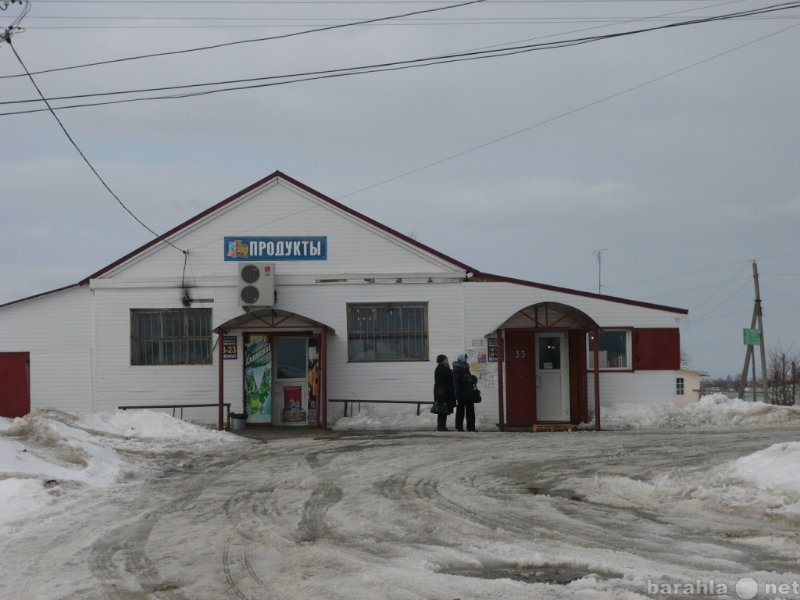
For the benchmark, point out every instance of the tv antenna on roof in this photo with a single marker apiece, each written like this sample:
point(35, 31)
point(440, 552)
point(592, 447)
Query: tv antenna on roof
point(599, 255)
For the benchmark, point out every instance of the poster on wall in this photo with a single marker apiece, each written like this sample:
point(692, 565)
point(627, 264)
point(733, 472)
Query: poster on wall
point(230, 347)
point(258, 378)
point(293, 413)
point(493, 352)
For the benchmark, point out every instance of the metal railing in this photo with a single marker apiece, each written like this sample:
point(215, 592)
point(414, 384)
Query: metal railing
point(348, 401)
point(175, 407)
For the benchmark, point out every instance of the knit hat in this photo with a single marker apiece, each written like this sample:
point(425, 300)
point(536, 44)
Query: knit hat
point(462, 357)
point(441, 358)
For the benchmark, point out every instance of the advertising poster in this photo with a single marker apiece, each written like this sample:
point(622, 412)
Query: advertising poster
point(230, 347)
point(258, 378)
point(293, 413)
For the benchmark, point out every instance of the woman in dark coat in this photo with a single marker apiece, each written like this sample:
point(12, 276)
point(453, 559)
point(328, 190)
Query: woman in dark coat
point(465, 393)
point(444, 395)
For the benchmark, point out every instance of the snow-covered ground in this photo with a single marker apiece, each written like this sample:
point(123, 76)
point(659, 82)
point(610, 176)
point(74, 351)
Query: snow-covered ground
point(701, 502)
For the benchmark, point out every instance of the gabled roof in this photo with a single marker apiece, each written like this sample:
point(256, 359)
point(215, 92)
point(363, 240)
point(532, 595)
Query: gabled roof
point(476, 275)
point(274, 176)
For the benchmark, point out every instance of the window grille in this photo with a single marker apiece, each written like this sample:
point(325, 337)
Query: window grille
point(171, 337)
point(387, 332)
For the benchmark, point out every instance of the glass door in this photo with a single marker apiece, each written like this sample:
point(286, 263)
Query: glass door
point(552, 377)
point(291, 380)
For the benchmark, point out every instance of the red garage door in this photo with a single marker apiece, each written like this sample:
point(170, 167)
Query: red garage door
point(15, 384)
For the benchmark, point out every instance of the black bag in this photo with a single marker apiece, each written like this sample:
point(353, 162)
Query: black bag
point(436, 408)
point(476, 395)
point(440, 408)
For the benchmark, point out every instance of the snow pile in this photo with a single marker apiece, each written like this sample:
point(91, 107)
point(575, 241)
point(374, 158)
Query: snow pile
point(48, 451)
point(371, 417)
point(715, 410)
point(766, 481)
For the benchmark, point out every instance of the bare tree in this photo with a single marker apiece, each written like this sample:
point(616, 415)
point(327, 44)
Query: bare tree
point(783, 377)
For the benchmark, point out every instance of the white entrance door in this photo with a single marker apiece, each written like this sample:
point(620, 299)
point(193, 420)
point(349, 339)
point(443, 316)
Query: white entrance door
point(552, 377)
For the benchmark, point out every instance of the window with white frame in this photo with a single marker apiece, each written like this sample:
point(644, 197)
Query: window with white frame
point(386, 332)
point(614, 352)
point(680, 386)
point(171, 336)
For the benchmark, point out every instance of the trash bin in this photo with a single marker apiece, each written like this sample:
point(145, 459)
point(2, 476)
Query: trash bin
point(238, 420)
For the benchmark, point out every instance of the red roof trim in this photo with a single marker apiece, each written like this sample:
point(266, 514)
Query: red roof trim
point(278, 175)
point(554, 288)
point(39, 295)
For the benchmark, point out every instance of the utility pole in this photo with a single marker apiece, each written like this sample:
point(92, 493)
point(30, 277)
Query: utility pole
point(756, 324)
point(599, 255)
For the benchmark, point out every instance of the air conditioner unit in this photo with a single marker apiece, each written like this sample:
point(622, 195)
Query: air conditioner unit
point(256, 284)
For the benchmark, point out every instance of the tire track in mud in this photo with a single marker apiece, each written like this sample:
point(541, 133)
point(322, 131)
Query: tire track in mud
point(424, 484)
point(118, 559)
point(266, 519)
point(121, 552)
point(312, 526)
point(233, 568)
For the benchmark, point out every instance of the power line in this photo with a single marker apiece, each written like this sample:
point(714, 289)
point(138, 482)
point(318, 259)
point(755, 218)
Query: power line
point(263, 39)
point(80, 152)
point(738, 15)
point(561, 115)
point(275, 80)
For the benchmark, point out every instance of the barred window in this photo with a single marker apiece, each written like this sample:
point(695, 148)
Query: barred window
point(387, 332)
point(171, 336)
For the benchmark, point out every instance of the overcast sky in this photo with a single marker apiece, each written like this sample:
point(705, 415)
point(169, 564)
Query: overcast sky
point(672, 153)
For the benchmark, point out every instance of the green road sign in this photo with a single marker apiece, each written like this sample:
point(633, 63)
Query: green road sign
point(752, 337)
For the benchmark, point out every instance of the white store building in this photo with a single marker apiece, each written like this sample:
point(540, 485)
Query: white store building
point(283, 303)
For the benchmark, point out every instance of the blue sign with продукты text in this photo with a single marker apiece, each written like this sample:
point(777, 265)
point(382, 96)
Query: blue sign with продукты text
point(276, 248)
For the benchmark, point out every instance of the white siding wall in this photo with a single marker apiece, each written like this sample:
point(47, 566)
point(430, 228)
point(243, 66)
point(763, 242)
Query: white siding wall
point(489, 304)
point(280, 210)
point(152, 281)
point(369, 381)
point(56, 329)
point(454, 324)
point(641, 387)
point(120, 383)
point(79, 334)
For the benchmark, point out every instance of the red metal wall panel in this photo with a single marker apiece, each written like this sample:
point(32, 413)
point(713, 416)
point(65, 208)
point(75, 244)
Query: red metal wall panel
point(578, 401)
point(656, 349)
point(15, 386)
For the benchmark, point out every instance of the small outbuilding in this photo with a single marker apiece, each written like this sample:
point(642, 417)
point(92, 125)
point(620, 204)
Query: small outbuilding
point(283, 304)
point(687, 385)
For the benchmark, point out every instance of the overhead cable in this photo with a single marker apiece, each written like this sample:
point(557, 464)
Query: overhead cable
point(262, 39)
point(82, 155)
point(276, 80)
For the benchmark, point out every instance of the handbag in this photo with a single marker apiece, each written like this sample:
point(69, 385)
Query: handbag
point(476, 395)
point(436, 407)
point(439, 407)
